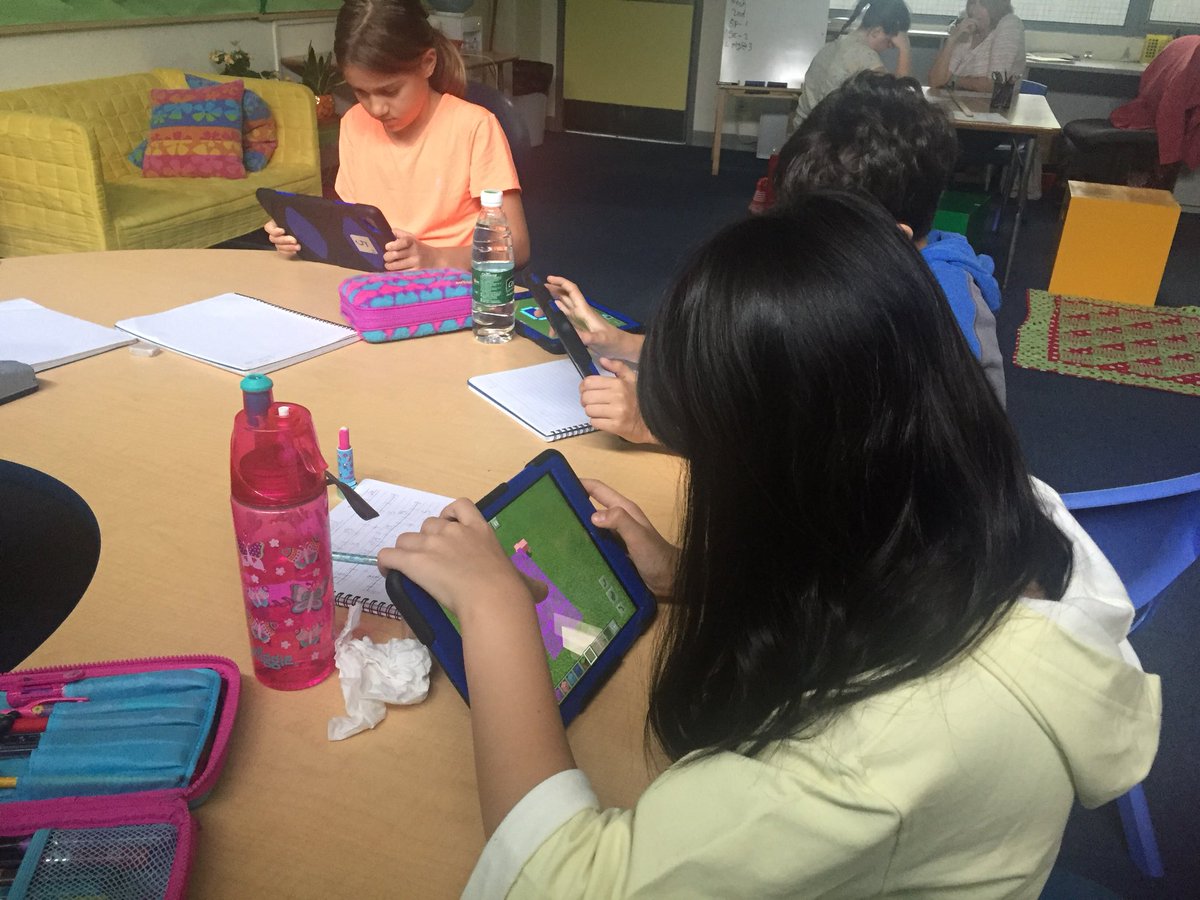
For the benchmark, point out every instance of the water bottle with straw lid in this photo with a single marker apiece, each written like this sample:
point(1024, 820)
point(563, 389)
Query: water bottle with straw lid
point(281, 522)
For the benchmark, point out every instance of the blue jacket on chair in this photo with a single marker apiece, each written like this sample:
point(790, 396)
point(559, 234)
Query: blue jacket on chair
point(974, 296)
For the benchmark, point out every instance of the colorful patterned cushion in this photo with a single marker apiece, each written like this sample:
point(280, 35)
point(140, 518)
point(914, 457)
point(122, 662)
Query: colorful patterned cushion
point(195, 133)
point(259, 138)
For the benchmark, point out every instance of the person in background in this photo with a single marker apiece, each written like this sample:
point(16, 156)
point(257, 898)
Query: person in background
point(412, 146)
point(987, 38)
point(891, 659)
point(884, 24)
point(877, 133)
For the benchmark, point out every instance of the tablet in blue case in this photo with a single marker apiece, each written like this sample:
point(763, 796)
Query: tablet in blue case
point(597, 604)
point(531, 321)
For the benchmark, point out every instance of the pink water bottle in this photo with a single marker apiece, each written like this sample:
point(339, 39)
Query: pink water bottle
point(281, 520)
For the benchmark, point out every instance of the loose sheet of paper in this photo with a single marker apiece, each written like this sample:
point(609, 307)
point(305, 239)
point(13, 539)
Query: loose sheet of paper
point(400, 509)
point(43, 338)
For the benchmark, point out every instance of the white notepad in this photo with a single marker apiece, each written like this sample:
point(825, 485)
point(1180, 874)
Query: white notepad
point(544, 398)
point(44, 338)
point(240, 334)
point(400, 509)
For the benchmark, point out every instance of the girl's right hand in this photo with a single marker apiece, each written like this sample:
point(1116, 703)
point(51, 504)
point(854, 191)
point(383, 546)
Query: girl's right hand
point(653, 555)
point(284, 242)
point(457, 559)
point(597, 333)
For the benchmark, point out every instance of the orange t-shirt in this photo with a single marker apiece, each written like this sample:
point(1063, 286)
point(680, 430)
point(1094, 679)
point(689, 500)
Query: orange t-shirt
point(432, 187)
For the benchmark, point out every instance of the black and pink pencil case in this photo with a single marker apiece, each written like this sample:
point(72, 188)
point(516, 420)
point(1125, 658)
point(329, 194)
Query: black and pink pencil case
point(100, 765)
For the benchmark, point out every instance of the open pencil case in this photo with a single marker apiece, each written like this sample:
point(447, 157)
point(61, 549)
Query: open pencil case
point(100, 769)
point(392, 306)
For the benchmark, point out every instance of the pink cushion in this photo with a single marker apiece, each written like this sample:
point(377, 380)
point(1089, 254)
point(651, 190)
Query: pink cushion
point(195, 132)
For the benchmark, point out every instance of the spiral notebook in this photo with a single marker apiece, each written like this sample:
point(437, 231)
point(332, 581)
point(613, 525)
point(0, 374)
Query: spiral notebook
point(544, 398)
point(240, 334)
point(400, 509)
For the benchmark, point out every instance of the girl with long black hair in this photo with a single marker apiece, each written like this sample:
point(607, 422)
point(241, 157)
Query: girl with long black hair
point(891, 659)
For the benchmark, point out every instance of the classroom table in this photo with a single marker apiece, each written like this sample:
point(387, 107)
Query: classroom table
point(500, 65)
point(388, 813)
point(740, 90)
point(1028, 119)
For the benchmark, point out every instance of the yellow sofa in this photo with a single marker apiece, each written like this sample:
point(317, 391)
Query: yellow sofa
point(66, 186)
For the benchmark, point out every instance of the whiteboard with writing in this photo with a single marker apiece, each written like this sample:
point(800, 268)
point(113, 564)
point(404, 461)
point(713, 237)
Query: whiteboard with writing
point(771, 40)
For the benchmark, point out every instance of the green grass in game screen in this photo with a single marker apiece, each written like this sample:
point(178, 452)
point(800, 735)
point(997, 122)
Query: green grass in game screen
point(586, 605)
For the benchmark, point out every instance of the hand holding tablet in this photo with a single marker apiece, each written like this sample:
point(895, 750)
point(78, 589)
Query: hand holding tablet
point(539, 524)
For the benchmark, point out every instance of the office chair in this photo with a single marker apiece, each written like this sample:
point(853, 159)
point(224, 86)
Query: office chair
point(1151, 534)
point(49, 547)
point(1098, 151)
point(511, 121)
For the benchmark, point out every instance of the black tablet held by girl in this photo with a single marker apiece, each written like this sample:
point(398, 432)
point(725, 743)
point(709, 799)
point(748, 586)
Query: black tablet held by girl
point(596, 605)
point(330, 231)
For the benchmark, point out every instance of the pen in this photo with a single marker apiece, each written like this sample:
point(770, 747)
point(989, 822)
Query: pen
point(345, 458)
point(358, 559)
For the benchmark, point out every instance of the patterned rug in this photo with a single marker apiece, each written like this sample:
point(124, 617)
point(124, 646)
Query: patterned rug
point(1149, 346)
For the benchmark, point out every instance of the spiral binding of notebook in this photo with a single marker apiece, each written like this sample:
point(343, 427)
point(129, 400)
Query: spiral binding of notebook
point(376, 607)
point(544, 398)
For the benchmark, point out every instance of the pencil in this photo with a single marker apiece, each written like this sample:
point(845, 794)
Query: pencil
point(358, 559)
point(8, 782)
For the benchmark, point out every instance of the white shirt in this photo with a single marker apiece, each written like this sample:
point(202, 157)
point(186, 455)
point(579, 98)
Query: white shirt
point(1003, 50)
point(832, 66)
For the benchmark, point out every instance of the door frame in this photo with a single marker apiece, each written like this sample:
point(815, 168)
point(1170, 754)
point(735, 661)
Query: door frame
point(689, 112)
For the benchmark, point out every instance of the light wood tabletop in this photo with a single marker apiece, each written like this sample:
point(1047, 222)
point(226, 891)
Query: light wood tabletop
point(1028, 114)
point(145, 441)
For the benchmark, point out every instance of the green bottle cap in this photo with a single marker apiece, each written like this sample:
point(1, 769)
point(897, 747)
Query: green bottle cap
point(256, 384)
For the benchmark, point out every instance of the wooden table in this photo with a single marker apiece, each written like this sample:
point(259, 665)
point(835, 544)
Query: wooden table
point(388, 813)
point(499, 64)
point(737, 90)
point(1028, 119)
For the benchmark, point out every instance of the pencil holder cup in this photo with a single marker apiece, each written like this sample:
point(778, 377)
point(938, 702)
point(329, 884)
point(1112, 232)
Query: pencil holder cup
point(1002, 95)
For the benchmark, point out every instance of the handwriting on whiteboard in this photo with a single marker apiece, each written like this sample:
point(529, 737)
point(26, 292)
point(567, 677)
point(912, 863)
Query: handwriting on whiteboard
point(737, 27)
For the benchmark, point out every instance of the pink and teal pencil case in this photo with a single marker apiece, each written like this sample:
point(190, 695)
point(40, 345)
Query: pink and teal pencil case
point(100, 765)
point(395, 306)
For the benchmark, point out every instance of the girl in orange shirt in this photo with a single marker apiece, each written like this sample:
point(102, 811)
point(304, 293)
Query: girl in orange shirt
point(412, 146)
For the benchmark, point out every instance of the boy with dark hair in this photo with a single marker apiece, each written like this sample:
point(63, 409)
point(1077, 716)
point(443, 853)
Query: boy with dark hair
point(879, 135)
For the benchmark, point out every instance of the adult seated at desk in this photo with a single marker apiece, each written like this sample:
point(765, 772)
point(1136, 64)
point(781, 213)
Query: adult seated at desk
point(988, 38)
point(884, 25)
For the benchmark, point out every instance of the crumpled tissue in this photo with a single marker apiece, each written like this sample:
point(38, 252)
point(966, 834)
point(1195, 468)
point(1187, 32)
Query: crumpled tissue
point(374, 675)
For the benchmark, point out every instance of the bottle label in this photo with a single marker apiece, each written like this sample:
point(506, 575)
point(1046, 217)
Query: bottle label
point(286, 584)
point(492, 288)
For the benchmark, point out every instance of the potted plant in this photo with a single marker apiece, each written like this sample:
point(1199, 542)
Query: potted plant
point(236, 62)
point(321, 75)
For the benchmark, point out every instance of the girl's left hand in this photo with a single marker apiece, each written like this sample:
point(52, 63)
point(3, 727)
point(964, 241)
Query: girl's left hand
point(405, 252)
point(457, 559)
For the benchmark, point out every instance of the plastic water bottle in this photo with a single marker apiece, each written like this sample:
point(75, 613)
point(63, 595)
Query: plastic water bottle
point(492, 262)
point(281, 521)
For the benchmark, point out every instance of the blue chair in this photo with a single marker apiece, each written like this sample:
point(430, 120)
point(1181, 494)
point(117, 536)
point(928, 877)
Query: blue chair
point(51, 544)
point(513, 123)
point(1151, 534)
